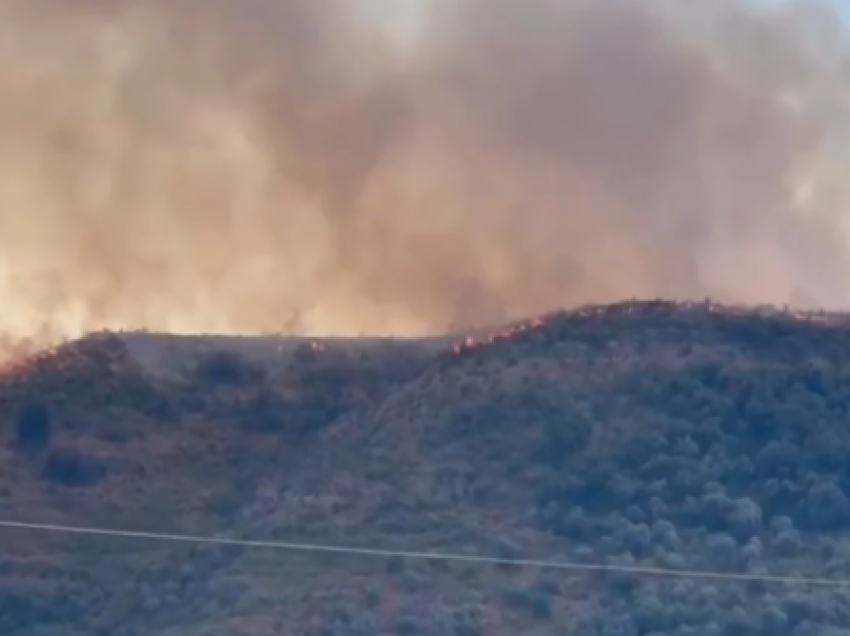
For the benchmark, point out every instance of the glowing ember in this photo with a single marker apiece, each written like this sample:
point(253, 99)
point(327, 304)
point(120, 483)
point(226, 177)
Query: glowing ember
point(470, 343)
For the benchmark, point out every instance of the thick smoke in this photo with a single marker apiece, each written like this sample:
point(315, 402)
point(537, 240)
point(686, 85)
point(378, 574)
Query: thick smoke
point(277, 165)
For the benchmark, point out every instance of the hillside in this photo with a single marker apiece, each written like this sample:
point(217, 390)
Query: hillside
point(661, 434)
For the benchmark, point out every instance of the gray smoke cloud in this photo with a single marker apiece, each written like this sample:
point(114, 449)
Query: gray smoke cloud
point(279, 165)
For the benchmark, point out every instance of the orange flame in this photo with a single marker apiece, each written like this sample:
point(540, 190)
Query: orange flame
point(469, 343)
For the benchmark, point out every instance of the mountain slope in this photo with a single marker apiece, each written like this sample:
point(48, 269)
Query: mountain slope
point(660, 434)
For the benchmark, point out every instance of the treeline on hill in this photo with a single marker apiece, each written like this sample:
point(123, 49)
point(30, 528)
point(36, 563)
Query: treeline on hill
point(644, 434)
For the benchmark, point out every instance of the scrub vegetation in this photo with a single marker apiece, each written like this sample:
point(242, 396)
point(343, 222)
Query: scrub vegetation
point(666, 435)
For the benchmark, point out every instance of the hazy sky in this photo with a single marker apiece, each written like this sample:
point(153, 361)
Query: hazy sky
point(404, 13)
point(263, 165)
point(402, 16)
point(844, 6)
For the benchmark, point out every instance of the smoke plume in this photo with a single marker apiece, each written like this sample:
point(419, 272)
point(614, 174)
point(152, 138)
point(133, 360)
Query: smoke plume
point(280, 165)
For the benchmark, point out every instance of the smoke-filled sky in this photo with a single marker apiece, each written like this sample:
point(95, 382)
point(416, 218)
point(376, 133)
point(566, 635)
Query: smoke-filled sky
point(280, 165)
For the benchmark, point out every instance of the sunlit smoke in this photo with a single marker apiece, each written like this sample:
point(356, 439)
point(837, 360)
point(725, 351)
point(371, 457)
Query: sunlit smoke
point(277, 166)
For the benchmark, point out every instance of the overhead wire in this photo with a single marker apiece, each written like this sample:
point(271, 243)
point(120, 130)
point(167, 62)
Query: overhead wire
point(621, 568)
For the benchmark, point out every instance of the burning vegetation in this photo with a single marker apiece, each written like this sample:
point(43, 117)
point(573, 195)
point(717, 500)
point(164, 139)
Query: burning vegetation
point(106, 351)
point(470, 343)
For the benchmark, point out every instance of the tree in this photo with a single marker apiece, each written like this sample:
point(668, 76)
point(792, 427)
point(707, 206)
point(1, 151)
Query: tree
point(70, 468)
point(33, 426)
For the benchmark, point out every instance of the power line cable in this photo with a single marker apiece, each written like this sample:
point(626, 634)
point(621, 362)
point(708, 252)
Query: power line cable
point(429, 556)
